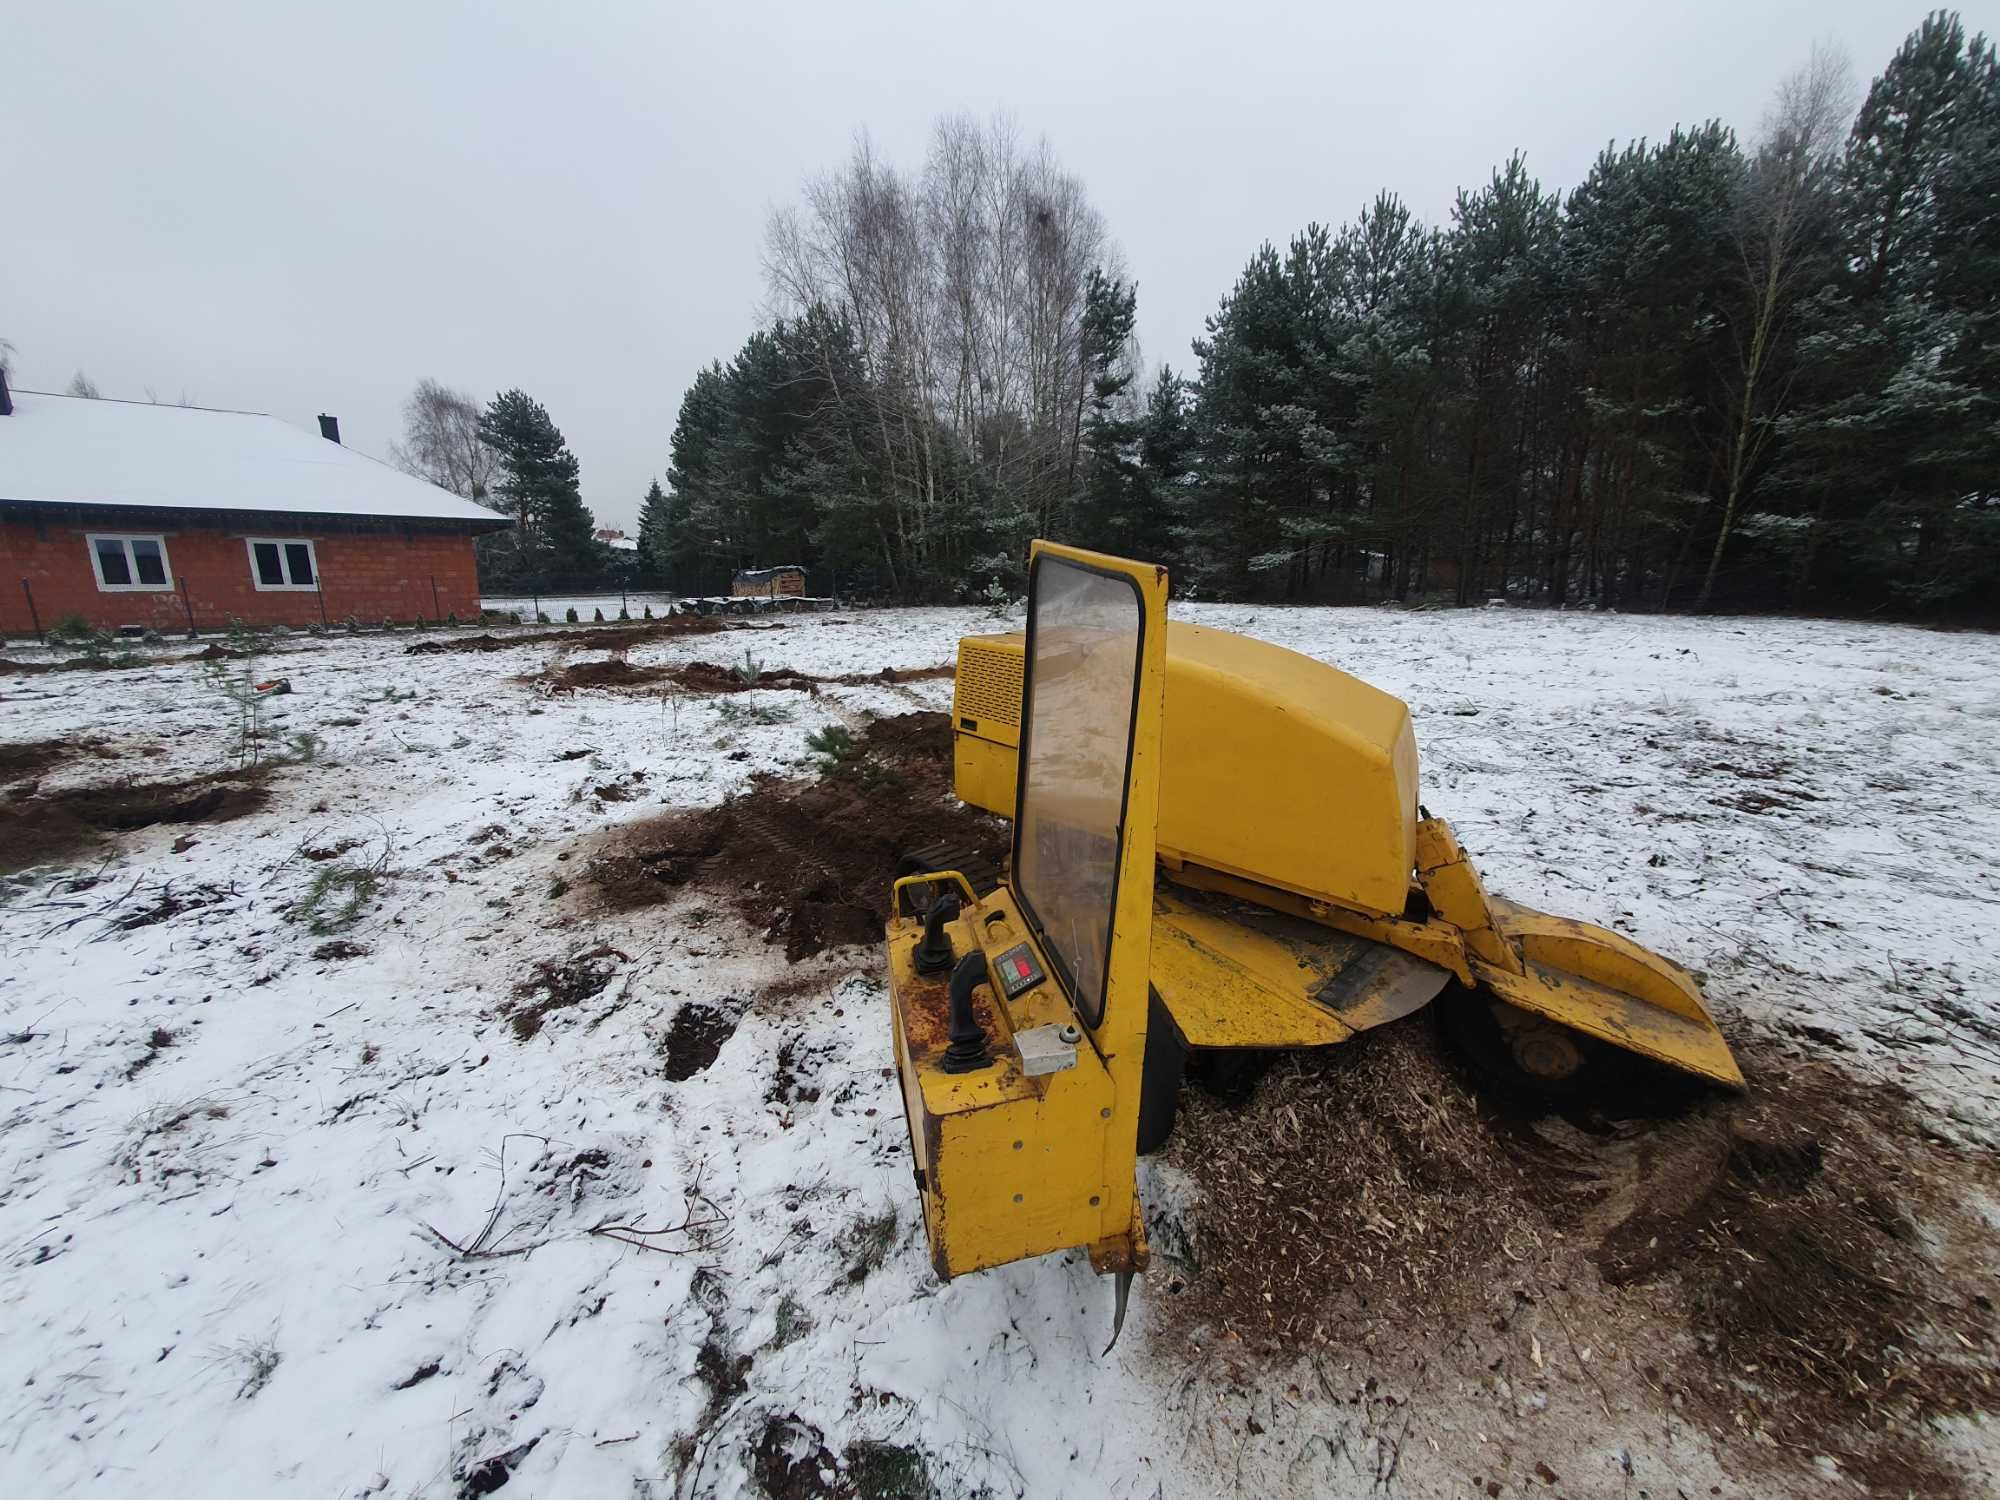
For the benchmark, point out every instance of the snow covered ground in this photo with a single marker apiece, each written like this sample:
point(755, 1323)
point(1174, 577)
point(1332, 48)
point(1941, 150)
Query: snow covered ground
point(241, 1162)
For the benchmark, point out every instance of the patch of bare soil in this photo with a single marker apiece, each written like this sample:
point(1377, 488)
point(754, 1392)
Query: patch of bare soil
point(555, 985)
point(1358, 1182)
point(711, 678)
point(123, 661)
point(890, 675)
point(809, 862)
point(1837, 1280)
point(603, 638)
point(52, 827)
point(33, 758)
point(616, 674)
point(695, 1038)
point(1823, 1289)
point(790, 1461)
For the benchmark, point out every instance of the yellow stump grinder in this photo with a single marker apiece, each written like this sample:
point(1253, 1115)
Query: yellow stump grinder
point(1217, 849)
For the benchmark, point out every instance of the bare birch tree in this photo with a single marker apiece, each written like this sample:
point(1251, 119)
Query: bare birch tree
point(441, 441)
point(964, 286)
point(1784, 203)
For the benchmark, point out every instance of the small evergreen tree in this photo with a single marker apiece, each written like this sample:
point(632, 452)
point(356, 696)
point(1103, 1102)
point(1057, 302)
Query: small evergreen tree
point(553, 529)
point(1106, 516)
point(655, 523)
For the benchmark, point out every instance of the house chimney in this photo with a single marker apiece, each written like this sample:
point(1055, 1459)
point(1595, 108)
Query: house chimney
point(6, 396)
point(329, 427)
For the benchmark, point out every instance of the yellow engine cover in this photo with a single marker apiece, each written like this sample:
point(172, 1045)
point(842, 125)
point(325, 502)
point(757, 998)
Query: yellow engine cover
point(1275, 767)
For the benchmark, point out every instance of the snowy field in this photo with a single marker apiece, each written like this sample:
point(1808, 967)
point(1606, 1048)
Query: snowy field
point(285, 1213)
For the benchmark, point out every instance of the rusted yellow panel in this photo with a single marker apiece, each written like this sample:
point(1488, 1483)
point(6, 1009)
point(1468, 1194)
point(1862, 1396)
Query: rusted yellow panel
point(1011, 1166)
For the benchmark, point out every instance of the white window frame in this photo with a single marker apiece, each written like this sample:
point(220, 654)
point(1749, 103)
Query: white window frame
point(252, 543)
point(126, 539)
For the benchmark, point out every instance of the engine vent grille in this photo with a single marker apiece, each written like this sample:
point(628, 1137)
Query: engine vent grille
point(989, 684)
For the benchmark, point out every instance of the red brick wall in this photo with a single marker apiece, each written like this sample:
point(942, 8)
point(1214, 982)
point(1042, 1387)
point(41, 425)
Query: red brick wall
point(370, 576)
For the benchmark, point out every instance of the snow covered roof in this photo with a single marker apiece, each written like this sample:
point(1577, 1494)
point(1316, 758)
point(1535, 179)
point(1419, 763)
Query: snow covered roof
point(765, 575)
point(71, 450)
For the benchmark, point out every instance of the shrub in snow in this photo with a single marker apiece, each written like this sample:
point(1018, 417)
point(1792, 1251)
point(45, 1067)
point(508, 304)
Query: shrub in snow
point(451, 618)
point(624, 613)
point(541, 618)
point(570, 614)
point(648, 612)
point(353, 625)
point(597, 615)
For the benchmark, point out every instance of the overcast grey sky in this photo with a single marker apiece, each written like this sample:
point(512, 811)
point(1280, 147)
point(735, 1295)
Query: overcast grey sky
point(299, 208)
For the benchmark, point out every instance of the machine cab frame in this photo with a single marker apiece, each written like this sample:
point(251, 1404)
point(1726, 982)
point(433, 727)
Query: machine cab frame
point(1020, 1016)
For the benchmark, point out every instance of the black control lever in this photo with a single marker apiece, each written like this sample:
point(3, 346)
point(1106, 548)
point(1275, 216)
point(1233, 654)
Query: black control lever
point(934, 953)
point(967, 1052)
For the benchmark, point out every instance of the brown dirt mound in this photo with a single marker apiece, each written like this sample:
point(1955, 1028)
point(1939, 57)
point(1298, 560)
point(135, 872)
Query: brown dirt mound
point(1806, 1276)
point(1370, 1189)
point(709, 677)
point(894, 675)
point(1359, 1182)
point(616, 673)
point(28, 758)
point(810, 862)
point(59, 826)
point(124, 661)
point(713, 677)
point(576, 638)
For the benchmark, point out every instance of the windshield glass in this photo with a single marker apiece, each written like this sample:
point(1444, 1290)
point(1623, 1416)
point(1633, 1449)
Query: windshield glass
point(1083, 643)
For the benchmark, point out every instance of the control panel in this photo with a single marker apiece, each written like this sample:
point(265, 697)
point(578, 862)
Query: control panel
point(1019, 971)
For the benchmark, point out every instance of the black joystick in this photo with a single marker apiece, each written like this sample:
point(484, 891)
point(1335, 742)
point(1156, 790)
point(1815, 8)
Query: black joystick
point(934, 953)
point(967, 1052)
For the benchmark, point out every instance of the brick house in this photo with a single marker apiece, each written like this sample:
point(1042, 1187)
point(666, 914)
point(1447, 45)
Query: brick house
point(179, 518)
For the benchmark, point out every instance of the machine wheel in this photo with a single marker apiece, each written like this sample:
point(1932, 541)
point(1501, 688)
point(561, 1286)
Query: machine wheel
point(1159, 1075)
point(1526, 1054)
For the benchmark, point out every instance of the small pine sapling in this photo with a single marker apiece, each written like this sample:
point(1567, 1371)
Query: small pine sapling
point(750, 671)
point(570, 614)
point(832, 746)
point(597, 616)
